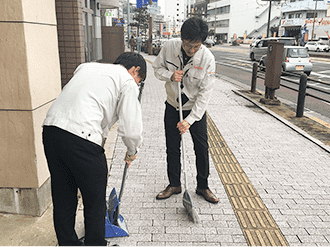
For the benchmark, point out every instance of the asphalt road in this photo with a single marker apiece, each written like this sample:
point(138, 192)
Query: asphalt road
point(234, 62)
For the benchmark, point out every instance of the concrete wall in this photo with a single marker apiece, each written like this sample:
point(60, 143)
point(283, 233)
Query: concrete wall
point(30, 80)
point(246, 16)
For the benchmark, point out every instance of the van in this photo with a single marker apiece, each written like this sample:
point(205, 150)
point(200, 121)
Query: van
point(260, 48)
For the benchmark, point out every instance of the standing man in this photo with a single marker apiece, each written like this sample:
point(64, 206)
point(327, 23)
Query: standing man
point(74, 132)
point(138, 43)
point(132, 43)
point(190, 62)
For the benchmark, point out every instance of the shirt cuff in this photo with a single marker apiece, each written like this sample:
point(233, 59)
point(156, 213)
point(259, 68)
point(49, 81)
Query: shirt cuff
point(190, 120)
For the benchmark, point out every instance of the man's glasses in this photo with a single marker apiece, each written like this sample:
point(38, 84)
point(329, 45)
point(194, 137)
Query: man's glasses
point(191, 45)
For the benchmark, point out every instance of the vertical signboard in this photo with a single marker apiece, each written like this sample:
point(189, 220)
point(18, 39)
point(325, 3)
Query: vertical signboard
point(138, 4)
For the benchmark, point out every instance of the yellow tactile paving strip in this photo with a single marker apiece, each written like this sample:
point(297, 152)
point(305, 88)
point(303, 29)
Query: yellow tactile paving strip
point(320, 121)
point(257, 224)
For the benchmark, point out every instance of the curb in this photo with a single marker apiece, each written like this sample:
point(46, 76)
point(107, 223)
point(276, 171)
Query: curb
point(286, 122)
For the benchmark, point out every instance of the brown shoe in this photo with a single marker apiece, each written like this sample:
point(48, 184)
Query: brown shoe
point(208, 195)
point(168, 192)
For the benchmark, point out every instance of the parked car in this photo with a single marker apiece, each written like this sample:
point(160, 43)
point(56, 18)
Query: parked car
point(209, 42)
point(254, 42)
point(317, 46)
point(295, 59)
point(261, 46)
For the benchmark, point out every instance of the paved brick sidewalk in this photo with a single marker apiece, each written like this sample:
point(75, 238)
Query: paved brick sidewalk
point(165, 222)
point(290, 173)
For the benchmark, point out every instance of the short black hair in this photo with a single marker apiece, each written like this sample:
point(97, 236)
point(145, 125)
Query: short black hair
point(130, 59)
point(194, 28)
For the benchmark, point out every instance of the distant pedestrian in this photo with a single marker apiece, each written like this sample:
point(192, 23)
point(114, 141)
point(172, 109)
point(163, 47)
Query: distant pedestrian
point(188, 60)
point(132, 43)
point(74, 132)
point(138, 43)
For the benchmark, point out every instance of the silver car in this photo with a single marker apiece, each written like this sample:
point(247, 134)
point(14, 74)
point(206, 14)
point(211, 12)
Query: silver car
point(295, 59)
point(261, 46)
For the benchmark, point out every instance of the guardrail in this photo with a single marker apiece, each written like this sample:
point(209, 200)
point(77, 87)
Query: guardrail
point(303, 86)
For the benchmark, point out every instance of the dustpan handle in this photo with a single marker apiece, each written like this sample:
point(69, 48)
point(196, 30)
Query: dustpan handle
point(123, 181)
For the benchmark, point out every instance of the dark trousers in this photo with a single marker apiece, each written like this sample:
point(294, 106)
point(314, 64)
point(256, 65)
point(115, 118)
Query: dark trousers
point(198, 131)
point(75, 163)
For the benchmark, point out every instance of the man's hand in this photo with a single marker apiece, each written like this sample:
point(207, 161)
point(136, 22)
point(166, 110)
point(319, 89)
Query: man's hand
point(129, 159)
point(177, 75)
point(183, 126)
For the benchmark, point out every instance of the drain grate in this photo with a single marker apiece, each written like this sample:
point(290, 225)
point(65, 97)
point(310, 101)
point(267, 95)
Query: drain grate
point(257, 224)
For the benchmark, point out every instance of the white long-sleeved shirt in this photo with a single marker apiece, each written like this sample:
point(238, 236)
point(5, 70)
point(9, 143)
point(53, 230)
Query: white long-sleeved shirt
point(94, 99)
point(198, 80)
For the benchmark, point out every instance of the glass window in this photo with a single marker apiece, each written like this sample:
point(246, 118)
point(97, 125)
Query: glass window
point(311, 15)
point(287, 41)
point(298, 15)
point(211, 12)
point(295, 52)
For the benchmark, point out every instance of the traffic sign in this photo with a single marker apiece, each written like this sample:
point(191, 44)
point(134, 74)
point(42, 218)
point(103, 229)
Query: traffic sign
point(153, 9)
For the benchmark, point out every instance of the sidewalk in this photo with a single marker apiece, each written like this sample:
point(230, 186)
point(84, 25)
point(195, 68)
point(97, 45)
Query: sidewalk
point(287, 171)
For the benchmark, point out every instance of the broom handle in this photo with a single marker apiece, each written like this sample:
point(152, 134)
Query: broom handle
point(182, 140)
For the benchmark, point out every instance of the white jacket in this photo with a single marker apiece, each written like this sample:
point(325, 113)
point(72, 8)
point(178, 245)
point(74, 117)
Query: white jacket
point(198, 80)
point(94, 99)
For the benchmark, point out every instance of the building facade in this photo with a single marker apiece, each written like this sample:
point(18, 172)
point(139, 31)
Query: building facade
point(200, 8)
point(231, 19)
point(42, 42)
point(305, 19)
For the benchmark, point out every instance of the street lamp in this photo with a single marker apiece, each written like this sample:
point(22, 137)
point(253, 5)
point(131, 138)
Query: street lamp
point(314, 19)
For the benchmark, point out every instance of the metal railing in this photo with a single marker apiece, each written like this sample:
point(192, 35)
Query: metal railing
point(303, 86)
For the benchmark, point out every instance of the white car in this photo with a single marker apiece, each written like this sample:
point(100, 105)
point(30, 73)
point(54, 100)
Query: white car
point(317, 46)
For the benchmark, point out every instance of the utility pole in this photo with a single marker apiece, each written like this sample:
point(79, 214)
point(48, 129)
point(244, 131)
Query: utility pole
point(269, 13)
point(128, 20)
point(314, 20)
point(150, 32)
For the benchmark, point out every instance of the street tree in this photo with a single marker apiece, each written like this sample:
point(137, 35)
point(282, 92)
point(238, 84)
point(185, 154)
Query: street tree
point(142, 19)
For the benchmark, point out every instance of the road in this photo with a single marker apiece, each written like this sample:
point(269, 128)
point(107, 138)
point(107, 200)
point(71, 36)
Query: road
point(234, 62)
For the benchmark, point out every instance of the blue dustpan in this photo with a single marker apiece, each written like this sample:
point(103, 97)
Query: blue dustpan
point(112, 231)
point(115, 225)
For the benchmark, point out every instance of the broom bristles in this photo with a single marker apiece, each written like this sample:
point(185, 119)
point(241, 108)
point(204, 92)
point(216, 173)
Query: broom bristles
point(194, 215)
point(188, 204)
